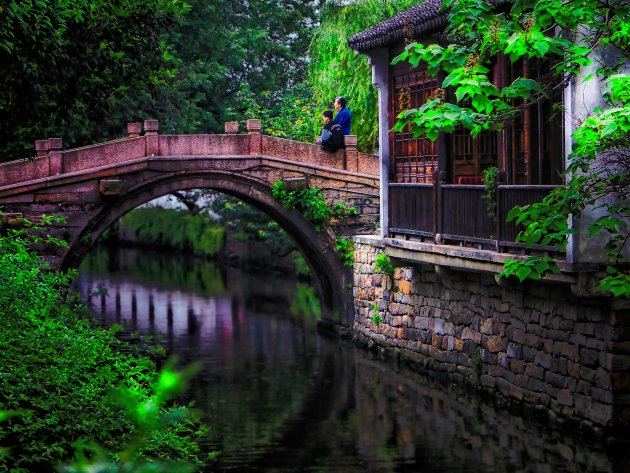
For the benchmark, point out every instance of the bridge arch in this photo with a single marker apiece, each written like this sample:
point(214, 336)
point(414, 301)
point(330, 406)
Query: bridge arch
point(330, 277)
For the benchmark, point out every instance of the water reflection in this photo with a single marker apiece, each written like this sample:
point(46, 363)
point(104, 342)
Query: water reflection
point(279, 398)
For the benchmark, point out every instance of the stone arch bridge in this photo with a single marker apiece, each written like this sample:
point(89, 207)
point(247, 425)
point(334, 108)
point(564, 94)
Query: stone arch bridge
point(93, 186)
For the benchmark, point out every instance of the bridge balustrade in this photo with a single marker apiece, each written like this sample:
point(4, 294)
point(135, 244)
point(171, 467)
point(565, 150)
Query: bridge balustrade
point(52, 161)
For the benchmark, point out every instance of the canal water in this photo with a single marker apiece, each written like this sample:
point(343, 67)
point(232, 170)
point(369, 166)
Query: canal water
point(279, 397)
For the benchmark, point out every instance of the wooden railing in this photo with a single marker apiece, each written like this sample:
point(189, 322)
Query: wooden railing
point(458, 213)
point(412, 209)
point(464, 215)
point(507, 198)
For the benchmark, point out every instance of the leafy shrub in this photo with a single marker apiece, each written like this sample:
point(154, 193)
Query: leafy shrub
point(341, 210)
point(56, 370)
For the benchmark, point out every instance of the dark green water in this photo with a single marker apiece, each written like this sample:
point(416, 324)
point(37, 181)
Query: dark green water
point(278, 397)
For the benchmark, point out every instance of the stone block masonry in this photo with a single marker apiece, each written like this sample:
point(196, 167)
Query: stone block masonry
point(536, 344)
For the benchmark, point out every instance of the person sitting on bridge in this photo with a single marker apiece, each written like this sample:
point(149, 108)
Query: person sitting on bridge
point(331, 138)
point(343, 118)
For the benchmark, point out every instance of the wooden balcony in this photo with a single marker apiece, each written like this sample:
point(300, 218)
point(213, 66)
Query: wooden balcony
point(457, 215)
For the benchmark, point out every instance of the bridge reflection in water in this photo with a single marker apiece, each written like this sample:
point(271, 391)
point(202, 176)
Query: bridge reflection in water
point(279, 398)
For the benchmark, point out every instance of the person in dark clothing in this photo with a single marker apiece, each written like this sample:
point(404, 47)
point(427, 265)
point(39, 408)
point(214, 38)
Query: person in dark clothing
point(344, 117)
point(331, 138)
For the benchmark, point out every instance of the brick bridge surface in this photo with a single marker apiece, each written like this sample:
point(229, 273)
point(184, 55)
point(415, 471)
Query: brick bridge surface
point(94, 186)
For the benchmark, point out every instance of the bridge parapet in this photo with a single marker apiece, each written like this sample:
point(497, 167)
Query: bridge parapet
point(95, 185)
point(52, 161)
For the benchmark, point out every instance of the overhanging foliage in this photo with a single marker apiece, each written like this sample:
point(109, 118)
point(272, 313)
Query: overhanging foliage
point(569, 34)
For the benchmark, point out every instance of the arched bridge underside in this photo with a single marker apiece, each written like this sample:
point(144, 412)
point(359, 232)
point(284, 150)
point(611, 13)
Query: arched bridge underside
point(93, 187)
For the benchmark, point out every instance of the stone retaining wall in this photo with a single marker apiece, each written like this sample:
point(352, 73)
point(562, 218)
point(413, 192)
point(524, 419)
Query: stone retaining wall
point(431, 421)
point(534, 343)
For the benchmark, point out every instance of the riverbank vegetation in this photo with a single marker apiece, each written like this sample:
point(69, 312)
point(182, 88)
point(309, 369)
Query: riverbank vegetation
point(214, 226)
point(171, 229)
point(58, 371)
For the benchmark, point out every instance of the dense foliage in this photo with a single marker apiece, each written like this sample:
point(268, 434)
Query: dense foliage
point(336, 70)
point(598, 175)
point(82, 70)
point(57, 371)
point(237, 56)
point(71, 68)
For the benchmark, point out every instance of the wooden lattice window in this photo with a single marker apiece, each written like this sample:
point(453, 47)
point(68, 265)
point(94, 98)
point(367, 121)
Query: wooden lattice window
point(470, 157)
point(528, 149)
point(414, 159)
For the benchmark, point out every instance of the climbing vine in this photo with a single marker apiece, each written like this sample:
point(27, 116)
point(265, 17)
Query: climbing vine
point(490, 192)
point(383, 265)
point(312, 204)
point(345, 248)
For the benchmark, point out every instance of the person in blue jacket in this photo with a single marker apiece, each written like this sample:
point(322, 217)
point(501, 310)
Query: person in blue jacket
point(343, 117)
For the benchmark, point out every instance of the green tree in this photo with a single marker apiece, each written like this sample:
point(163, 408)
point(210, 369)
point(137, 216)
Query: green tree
point(247, 223)
point(231, 54)
point(82, 70)
point(336, 70)
point(568, 34)
point(69, 67)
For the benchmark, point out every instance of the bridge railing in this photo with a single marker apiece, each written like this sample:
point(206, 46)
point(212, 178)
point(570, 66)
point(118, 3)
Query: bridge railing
point(51, 160)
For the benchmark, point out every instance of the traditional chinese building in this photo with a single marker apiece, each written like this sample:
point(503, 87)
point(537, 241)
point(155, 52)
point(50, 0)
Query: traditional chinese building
point(553, 343)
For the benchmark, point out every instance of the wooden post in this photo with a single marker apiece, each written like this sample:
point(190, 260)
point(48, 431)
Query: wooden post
point(498, 211)
point(439, 207)
point(527, 152)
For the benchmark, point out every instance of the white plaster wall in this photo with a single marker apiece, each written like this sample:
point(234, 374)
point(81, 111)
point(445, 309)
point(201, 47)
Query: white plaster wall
point(581, 97)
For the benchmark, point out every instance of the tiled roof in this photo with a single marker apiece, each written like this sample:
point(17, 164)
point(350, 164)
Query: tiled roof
point(421, 19)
